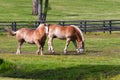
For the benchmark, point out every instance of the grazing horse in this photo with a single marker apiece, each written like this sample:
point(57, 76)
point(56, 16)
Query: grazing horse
point(69, 33)
point(37, 36)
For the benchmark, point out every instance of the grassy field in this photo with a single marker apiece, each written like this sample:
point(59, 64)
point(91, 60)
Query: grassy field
point(100, 61)
point(62, 10)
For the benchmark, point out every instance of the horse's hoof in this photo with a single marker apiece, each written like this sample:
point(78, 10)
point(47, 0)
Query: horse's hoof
point(65, 52)
point(18, 53)
point(77, 51)
point(37, 53)
point(41, 54)
point(52, 52)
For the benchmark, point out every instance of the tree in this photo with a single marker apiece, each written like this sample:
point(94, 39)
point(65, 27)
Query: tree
point(34, 7)
point(39, 10)
point(43, 12)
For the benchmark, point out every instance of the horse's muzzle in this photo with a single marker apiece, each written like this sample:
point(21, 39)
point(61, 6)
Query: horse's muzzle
point(81, 50)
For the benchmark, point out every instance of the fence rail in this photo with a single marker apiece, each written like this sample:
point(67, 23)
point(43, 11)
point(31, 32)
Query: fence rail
point(84, 25)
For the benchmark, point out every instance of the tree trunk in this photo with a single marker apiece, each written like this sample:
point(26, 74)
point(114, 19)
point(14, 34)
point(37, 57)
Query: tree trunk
point(40, 10)
point(34, 7)
point(45, 10)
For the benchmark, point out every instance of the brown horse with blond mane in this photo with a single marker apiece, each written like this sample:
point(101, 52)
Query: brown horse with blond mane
point(69, 33)
point(37, 36)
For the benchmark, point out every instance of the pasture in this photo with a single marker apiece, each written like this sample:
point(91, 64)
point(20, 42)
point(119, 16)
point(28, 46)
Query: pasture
point(62, 10)
point(100, 61)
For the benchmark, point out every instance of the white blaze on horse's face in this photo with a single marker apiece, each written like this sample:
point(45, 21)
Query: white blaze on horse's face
point(81, 50)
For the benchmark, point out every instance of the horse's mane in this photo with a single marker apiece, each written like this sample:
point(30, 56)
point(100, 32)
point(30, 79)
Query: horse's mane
point(40, 25)
point(76, 27)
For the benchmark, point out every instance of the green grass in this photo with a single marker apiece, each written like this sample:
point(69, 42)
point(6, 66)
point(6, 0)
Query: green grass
point(100, 61)
point(62, 67)
point(16, 10)
point(62, 10)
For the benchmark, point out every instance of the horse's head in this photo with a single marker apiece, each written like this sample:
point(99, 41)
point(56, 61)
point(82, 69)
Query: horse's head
point(80, 47)
point(80, 39)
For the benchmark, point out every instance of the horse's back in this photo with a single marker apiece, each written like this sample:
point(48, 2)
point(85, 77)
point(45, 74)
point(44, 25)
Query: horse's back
point(30, 35)
point(22, 30)
point(61, 32)
point(25, 31)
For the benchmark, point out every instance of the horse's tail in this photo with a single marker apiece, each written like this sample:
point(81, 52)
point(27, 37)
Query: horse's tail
point(11, 32)
point(76, 27)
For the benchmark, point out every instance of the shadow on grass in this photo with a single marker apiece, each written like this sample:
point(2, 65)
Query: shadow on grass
point(1, 61)
point(86, 52)
point(62, 53)
point(80, 72)
point(73, 15)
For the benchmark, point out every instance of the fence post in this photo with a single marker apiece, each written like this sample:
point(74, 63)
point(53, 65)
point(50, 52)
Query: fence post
point(104, 26)
point(80, 24)
point(85, 25)
point(14, 26)
point(110, 26)
point(59, 22)
point(63, 23)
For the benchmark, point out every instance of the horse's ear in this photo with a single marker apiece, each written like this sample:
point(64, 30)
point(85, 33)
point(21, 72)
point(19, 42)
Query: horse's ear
point(46, 24)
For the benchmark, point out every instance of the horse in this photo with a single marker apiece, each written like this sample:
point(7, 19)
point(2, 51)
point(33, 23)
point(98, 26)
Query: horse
point(32, 36)
point(68, 33)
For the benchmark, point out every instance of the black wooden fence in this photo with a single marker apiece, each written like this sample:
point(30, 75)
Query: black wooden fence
point(84, 25)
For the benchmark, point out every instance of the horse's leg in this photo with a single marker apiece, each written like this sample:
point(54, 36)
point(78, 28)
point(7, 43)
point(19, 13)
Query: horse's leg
point(42, 46)
point(19, 47)
point(50, 47)
point(66, 45)
point(75, 44)
point(39, 48)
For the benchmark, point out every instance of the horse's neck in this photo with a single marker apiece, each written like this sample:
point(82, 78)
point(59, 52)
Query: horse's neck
point(39, 28)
